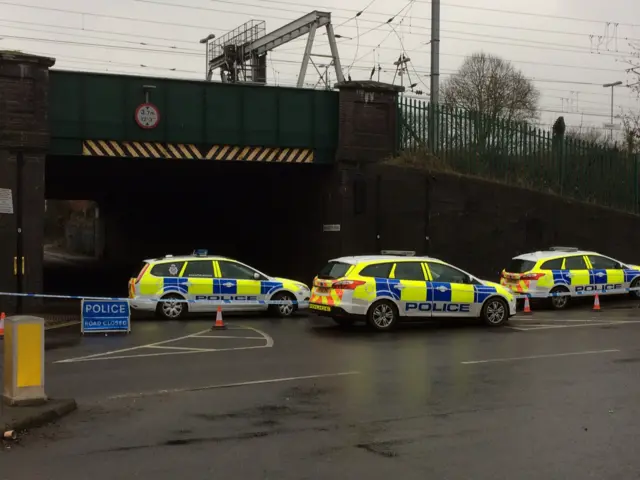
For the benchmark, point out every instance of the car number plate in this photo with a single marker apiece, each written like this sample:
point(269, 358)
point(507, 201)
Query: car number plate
point(320, 307)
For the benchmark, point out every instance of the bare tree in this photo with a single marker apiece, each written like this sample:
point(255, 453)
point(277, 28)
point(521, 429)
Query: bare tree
point(491, 86)
point(631, 129)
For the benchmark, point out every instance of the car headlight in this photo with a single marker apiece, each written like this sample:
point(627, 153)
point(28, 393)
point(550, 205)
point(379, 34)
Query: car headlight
point(302, 286)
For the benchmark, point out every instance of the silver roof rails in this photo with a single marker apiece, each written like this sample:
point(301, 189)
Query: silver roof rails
point(564, 249)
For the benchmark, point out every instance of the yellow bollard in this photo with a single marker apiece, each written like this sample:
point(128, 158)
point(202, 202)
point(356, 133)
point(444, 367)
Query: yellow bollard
point(24, 361)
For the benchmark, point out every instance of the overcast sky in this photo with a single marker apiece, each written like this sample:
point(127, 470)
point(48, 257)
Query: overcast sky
point(568, 47)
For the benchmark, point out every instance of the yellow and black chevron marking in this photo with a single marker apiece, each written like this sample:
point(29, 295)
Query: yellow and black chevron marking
point(111, 148)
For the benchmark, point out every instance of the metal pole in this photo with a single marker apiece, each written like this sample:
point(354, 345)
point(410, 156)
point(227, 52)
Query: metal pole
point(435, 52)
point(611, 129)
point(435, 73)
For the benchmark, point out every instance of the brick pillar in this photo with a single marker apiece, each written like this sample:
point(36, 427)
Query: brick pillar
point(368, 130)
point(24, 141)
point(368, 121)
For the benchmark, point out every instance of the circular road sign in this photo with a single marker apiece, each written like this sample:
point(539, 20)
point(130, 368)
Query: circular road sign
point(147, 116)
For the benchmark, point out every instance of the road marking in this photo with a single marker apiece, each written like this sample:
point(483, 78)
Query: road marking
point(591, 324)
point(227, 336)
point(533, 357)
point(230, 385)
point(164, 347)
point(105, 356)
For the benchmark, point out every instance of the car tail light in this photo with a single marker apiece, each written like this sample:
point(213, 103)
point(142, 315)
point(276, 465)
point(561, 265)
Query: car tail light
point(347, 284)
point(532, 276)
point(144, 269)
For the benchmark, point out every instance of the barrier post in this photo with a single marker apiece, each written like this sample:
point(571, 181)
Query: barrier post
point(24, 361)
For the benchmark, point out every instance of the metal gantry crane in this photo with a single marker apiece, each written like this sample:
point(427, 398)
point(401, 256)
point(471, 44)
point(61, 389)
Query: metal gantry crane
point(241, 54)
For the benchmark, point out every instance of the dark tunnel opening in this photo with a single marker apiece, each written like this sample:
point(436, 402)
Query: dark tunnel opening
point(264, 214)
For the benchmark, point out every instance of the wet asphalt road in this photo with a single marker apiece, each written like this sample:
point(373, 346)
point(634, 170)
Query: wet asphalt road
point(555, 399)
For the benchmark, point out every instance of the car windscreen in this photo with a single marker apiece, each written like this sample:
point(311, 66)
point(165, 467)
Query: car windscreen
point(334, 270)
point(517, 265)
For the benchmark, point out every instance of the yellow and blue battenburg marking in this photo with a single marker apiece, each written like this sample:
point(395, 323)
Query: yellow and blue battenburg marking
point(630, 275)
point(386, 287)
point(175, 285)
point(437, 291)
point(561, 277)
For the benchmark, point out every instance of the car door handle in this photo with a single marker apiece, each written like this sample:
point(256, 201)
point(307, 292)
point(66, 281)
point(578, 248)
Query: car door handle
point(400, 286)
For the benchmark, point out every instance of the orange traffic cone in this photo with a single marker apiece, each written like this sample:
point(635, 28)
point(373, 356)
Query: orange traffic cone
point(527, 307)
point(2, 317)
point(219, 325)
point(596, 304)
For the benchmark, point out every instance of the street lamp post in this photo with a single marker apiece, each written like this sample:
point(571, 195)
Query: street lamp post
point(205, 42)
point(612, 85)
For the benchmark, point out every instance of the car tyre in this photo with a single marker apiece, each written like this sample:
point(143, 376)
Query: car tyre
point(495, 312)
point(636, 293)
point(170, 309)
point(283, 310)
point(383, 316)
point(560, 303)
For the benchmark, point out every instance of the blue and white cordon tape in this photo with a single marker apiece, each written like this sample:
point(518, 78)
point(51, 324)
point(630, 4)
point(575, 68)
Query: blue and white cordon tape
point(153, 299)
point(283, 302)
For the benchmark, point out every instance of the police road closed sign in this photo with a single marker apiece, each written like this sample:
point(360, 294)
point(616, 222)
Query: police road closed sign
point(147, 116)
point(103, 316)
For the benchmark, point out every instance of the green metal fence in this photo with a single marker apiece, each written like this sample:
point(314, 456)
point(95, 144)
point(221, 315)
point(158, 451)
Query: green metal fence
point(519, 154)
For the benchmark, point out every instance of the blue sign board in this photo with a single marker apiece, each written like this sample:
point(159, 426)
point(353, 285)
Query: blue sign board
point(103, 316)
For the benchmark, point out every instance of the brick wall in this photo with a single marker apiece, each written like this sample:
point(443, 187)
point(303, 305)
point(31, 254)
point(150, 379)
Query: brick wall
point(474, 224)
point(368, 117)
point(24, 139)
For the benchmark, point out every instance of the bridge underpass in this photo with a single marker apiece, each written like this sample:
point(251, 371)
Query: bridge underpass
point(265, 214)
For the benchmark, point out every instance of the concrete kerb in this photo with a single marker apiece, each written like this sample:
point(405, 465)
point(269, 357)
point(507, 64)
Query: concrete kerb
point(22, 418)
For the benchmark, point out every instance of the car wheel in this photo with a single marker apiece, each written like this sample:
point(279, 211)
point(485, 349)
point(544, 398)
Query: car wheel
point(560, 303)
point(635, 284)
point(383, 315)
point(172, 307)
point(283, 310)
point(495, 312)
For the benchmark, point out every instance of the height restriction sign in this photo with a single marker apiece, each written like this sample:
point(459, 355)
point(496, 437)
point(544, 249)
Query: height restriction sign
point(147, 115)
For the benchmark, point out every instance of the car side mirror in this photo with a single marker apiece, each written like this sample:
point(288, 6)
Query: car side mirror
point(256, 276)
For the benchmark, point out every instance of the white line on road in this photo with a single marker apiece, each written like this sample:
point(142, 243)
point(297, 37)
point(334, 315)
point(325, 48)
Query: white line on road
point(533, 357)
point(105, 356)
point(164, 347)
point(591, 324)
point(230, 385)
point(227, 336)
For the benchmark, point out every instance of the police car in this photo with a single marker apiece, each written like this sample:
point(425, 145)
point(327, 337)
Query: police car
point(171, 286)
point(571, 271)
point(387, 289)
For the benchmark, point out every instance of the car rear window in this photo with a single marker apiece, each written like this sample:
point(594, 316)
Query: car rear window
point(334, 270)
point(520, 266)
point(170, 269)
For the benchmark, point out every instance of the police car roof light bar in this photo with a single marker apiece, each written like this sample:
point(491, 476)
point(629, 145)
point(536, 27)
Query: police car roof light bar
point(201, 252)
point(399, 253)
point(564, 249)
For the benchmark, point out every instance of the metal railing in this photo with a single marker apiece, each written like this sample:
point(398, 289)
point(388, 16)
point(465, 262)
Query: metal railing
point(519, 154)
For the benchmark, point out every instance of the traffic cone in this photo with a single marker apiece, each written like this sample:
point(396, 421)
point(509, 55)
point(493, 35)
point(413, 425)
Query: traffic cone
point(219, 325)
point(596, 303)
point(2, 317)
point(527, 307)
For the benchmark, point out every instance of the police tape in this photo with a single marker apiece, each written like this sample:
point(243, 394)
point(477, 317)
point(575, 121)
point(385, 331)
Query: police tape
point(591, 292)
point(221, 301)
point(252, 300)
